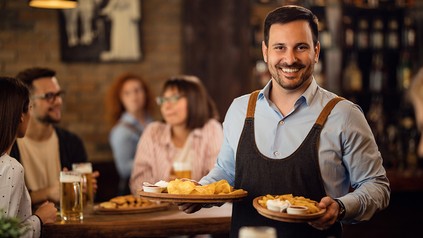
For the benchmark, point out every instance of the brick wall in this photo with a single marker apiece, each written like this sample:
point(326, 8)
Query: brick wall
point(30, 37)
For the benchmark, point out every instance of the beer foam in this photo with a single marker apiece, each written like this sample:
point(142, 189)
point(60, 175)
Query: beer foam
point(178, 166)
point(85, 168)
point(70, 177)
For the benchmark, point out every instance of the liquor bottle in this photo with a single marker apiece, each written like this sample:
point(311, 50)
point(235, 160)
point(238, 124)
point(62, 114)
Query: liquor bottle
point(352, 77)
point(348, 32)
point(409, 33)
point(377, 74)
point(324, 35)
point(376, 119)
point(404, 71)
point(362, 34)
point(377, 34)
point(392, 40)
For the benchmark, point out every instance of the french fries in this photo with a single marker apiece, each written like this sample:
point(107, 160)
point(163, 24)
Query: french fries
point(293, 200)
point(221, 187)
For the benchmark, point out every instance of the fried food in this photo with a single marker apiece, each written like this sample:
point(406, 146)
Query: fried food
point(188, 187)
point(127, 201)
point(293, 200)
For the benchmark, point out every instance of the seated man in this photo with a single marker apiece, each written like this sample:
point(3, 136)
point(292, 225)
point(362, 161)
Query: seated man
point(46, 149)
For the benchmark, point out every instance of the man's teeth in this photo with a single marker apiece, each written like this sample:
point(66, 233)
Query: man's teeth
point(289, 70)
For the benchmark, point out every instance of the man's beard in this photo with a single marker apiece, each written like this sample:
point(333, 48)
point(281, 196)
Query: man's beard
point(304, 77)
point(48, 120)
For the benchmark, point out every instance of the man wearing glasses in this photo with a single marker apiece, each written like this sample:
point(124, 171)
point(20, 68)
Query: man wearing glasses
point(46, 149)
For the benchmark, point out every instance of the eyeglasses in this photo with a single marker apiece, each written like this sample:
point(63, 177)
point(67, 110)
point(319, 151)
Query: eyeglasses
point(49, 97)
point(172, 99)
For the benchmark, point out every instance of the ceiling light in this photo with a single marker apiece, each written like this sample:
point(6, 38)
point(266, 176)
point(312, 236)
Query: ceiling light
point(53, 4)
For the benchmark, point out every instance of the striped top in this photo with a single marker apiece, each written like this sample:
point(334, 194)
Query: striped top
point(156, 153)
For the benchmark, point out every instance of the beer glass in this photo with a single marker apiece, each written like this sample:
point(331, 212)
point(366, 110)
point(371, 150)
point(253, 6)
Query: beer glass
point(182, 170)
point(86, 170)
point(71, 208)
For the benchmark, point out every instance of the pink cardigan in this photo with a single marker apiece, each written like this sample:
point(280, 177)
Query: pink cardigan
point(155, 153)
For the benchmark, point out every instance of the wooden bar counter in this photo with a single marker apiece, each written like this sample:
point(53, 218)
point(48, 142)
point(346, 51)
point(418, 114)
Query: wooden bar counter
point(171, 222)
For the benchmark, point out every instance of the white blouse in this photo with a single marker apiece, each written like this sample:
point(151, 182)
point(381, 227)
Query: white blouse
point(14, 196)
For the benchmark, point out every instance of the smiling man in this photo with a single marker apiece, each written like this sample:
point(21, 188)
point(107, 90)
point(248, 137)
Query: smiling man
point(298, 138)
point(46, 149)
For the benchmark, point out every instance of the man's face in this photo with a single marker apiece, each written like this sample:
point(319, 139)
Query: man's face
point(290, 55)
point(46, 110)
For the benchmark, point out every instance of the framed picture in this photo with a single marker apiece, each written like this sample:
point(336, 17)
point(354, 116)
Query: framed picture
point(101, 31)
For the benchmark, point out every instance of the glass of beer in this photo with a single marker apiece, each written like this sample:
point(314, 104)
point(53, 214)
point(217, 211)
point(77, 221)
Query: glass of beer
point(86, 170)
point(71, 208)
point(182, 170)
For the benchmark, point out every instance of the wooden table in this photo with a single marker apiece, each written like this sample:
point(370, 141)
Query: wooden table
point(171, 222)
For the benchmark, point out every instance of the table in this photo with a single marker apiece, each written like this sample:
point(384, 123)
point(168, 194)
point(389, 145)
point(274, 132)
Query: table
point(171, 222)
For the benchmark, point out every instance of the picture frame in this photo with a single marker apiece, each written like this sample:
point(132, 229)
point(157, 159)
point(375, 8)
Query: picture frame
point(101, 31)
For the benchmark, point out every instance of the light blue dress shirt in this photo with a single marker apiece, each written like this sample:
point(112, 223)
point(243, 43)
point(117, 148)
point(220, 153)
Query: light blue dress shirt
point(348, 153)
point(124, 140)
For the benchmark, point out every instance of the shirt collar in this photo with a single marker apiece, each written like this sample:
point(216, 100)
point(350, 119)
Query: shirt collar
point(306, 97)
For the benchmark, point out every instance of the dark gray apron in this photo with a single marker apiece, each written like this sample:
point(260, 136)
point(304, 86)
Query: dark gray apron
point(297, 174)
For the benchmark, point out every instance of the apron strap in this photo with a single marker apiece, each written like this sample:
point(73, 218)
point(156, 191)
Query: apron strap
point(252, 104)
point(326, 110)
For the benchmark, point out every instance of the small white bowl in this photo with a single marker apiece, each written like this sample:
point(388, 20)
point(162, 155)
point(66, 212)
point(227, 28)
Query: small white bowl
point(297, 210)
point(152, 189)
point(277, 205)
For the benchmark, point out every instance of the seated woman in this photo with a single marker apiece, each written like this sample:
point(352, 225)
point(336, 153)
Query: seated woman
point(190, 136)
point(130, 109)
point(15, 200)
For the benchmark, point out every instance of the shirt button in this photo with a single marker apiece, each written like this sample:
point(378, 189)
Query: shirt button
point(276, 153)
point(281, 123)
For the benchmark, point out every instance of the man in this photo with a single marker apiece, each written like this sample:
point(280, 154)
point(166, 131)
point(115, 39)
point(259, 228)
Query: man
point(416, 95)
point(46, 149)
point(288, 146)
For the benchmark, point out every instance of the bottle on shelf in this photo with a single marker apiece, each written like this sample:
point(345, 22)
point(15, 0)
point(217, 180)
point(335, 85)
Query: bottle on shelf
point(325, 37)
point(348, 32)
point(392, 40)
point(404, 71)
point(376, 38)
point(377, 74)
point(409, 33)
point(363, 34)
point(352, 80)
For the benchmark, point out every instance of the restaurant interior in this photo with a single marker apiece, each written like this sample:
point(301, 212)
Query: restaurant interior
point(371, 49)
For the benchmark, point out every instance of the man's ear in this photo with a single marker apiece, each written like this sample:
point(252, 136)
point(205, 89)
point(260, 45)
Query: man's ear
point(264, 51)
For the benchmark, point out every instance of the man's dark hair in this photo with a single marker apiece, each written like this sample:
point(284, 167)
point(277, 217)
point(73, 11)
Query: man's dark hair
point(288, 14)
point(28, 76)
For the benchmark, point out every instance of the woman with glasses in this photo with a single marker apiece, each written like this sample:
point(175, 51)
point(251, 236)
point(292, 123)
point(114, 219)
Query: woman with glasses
point(129, 110)
point(15, 200)
point(186, 143)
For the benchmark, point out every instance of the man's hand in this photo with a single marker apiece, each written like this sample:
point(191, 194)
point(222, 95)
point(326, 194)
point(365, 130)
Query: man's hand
point(95, 175)
point(330, 216)
point(194, 207)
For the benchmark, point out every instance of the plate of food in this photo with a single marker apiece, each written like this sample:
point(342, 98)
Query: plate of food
point(186, 191)
point(129, 204)
point(288, 208)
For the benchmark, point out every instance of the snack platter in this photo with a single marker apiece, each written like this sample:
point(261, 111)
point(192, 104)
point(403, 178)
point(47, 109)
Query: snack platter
point(131, 210)
point(128, 204)
point(182, 198)
point(285, 217)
